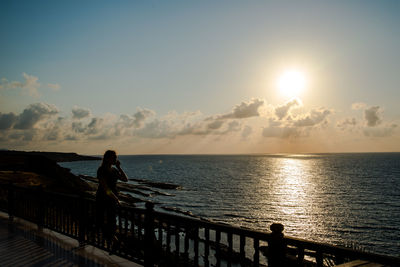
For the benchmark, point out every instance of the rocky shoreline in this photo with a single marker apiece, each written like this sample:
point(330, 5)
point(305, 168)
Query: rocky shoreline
point(33, 169)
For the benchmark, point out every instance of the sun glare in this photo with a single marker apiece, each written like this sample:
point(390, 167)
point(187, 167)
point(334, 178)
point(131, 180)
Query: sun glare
point(291, 83)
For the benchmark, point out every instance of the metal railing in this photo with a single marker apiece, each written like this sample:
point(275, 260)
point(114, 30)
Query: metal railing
point(154, 238)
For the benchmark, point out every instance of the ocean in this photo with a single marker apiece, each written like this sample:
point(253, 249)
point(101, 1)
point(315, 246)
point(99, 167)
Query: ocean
point(340, 199)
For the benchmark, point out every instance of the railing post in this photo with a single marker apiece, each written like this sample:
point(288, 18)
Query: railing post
point(10, 201)
point(82, 217)
point(41, 208)
point(276, 246)
point(149, 235)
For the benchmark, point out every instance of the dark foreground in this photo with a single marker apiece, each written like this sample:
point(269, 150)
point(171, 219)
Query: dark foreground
point(36, 189)
point(153, 238)
point(22, 245)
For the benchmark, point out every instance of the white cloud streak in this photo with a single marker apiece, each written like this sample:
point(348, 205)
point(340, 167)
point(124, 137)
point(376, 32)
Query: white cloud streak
point(30, 85)
point(54, 86)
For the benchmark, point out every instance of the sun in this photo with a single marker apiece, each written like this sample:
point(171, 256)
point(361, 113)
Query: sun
point(291, 83)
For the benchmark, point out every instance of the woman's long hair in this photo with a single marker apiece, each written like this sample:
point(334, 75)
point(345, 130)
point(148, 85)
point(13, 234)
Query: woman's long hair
point(107, 156)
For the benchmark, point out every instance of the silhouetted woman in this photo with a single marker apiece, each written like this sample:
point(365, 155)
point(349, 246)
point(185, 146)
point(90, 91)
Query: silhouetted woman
point(107, 194)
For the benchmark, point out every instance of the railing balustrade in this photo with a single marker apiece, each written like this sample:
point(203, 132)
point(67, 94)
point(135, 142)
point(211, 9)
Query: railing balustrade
point(154, 238)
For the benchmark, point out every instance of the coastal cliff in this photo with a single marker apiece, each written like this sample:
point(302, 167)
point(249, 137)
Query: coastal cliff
point(34, 169)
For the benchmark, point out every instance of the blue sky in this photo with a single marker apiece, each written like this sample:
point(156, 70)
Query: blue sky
point(199, 77)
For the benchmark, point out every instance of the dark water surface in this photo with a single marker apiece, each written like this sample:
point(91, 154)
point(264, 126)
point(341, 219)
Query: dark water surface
point(346, 199)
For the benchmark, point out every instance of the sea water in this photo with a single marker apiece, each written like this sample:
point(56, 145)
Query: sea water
point(339, 199)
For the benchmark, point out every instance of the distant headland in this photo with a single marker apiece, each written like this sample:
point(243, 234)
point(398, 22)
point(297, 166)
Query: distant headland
point(55, 156)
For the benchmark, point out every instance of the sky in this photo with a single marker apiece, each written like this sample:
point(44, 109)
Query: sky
point(200, 77)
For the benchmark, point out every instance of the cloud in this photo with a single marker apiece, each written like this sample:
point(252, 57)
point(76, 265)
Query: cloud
point(26, 135)
point(33, 114)
point(80, 113)
point(78, 127)
point(374, 124)
point(372, 116)
point(174, 125)
point(280, 132)
point(358, 105)
point(315, 117)
point(95, 126)
point(294, 127)
point(137, 120)
point(215, 125)
point(38, 126)
point(141, 115)
point(54, 86)
point(70, 137)
point(169, 127)
point(7, 120)
point(30, 85)
point(244, 110)
point(348, 122)
point(233, 126)
point(55, 129)
point(282, 111)
point(381, 131)
point(157, 129)
point(53, 134)
point(246, 132)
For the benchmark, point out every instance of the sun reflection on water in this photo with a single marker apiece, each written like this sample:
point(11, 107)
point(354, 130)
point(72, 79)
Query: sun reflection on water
point(292, 186)
point(288, 193)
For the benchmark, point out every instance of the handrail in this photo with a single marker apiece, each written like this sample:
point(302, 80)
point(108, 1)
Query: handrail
point(150, 237)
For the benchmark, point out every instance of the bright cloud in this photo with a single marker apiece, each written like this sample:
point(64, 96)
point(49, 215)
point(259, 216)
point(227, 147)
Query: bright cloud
point(315, 117)
point(282, 111)
point(293, 126)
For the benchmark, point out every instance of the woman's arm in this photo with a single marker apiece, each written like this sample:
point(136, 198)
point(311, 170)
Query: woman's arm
point(122, 175)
